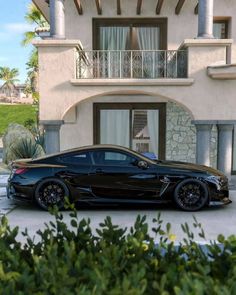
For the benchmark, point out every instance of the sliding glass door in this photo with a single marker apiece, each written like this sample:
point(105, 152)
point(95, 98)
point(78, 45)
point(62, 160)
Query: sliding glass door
point(137, 126)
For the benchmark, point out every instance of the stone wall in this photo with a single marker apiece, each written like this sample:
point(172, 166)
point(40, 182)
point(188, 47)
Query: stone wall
point(181, 136)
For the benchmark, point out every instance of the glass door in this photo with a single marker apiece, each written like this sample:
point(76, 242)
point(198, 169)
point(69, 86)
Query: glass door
point(145, 131)
point(136, 126)
point(115, 127)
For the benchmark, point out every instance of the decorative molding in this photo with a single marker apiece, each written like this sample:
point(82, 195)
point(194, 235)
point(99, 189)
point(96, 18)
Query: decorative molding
point(52, 123)
point(159, 6)
point(222, 72)
point(132, 82)
point(78, 6)
point(179, 6)
point(205, 42)
point(99, 6)
point(118, 7)
point(139, 7)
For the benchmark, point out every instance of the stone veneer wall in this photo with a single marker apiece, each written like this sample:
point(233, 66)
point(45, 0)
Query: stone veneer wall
point(181, 136)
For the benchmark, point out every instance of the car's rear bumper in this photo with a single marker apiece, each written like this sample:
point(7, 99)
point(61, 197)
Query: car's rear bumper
point(15, 195)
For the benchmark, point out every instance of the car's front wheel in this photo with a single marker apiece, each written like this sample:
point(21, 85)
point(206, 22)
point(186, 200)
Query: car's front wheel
point(191, 195)
point(51, 192)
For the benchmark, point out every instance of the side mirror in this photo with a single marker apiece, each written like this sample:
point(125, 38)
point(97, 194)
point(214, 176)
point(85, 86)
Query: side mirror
point(142, 164)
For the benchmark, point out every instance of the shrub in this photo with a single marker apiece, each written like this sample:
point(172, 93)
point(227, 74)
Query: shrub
point(26, 148)
point(19, 142)
point(74, 260)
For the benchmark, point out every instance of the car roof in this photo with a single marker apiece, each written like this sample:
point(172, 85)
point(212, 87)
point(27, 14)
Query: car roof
point(95, 147)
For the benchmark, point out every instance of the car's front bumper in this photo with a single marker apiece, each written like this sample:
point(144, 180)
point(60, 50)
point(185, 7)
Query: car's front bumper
point(219, 194)
point(225, 201)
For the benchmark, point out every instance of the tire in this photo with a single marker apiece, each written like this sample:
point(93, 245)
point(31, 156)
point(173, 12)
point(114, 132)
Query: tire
point(51, 192)
point(191, 195)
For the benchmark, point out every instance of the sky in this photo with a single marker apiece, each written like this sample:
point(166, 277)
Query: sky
point(12, 28)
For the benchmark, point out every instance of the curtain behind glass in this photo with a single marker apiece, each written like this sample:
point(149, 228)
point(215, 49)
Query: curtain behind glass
point(149, 39)
point(113, 39)
point(153, 128)
point(217, 29)
point(114, 127)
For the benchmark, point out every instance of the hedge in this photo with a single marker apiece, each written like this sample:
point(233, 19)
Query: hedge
point(75, 260)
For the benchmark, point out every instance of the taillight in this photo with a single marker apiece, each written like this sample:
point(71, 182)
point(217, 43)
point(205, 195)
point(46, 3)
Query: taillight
point(20, 171)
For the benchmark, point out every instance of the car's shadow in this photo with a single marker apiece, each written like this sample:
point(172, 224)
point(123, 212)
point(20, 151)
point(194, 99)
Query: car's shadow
point(123, 207)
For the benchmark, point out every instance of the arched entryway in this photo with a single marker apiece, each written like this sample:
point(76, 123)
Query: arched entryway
point(145, 122)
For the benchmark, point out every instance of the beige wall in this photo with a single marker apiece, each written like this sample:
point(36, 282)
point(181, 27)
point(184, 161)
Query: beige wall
point(180, 27)
point(58, 94)
point(203, 97)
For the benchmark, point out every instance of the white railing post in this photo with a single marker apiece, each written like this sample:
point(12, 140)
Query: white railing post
point(98, 64)
point(120, 63)
point(109, 64)
point(131, 65)
point(176, 65)
point(142, 66)
point(153, 64)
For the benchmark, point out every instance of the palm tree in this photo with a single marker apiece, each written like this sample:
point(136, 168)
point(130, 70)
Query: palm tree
point(9, 76)
point(33, 16)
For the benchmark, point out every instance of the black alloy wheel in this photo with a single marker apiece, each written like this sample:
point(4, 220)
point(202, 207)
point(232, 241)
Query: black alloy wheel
point(191, 195)
point(51, 192)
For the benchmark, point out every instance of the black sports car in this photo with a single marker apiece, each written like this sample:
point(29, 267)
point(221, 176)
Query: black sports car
point(115, 175)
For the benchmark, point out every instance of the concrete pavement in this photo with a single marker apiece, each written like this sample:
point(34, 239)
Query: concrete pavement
point(215, 220)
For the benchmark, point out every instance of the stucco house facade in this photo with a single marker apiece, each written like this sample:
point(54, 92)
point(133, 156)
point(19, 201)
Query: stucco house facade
point(157, 76)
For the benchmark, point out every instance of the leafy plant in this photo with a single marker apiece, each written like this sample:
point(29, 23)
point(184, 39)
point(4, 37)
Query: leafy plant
point(72, 259)
point(26, 148)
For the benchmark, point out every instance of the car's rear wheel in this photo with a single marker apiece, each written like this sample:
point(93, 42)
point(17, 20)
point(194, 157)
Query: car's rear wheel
point(191, 195)
point(51, 192)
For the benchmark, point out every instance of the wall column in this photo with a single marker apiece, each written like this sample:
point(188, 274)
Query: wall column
point(52, 136)
point(203, 142)
point(57, 19)
point(205, 19)
point(225, 146)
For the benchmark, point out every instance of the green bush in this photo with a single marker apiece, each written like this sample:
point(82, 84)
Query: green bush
point(74, 260)
point(26, 148)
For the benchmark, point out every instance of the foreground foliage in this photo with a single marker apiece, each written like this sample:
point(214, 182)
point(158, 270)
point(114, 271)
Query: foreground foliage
point(112, 260)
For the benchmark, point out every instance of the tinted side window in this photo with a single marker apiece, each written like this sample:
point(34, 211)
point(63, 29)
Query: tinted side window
point(110, 158)
point(77, 159)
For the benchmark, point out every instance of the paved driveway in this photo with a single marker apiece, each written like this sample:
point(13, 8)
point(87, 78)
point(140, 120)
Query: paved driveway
point(215, 220)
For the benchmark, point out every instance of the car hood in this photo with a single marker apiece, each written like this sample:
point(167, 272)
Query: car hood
point(189, 167)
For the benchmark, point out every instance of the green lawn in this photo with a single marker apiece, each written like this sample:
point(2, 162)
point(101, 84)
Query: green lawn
point(15, 114)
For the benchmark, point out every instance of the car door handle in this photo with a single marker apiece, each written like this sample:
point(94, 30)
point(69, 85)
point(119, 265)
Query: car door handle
point(99, 171)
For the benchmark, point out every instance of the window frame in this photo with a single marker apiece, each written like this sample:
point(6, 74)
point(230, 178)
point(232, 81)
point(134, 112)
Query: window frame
point(110, 150)
point(131, 22)
point(219, 20)
point(161, 107)
point(61, 159)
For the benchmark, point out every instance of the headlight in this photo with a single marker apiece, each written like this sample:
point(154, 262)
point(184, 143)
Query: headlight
point(217, 180)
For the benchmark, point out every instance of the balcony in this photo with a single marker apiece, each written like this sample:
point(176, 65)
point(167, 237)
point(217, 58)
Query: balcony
point(135, 64)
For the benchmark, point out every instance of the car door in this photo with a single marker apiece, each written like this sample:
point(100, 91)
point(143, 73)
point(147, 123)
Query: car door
point(116, 175)
point(77, 172)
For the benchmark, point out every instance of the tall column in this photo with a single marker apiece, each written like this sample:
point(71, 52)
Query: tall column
point(52, 136)
point(225, 144)
point(57, 19)
point(205, 19)
point(203, 143)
